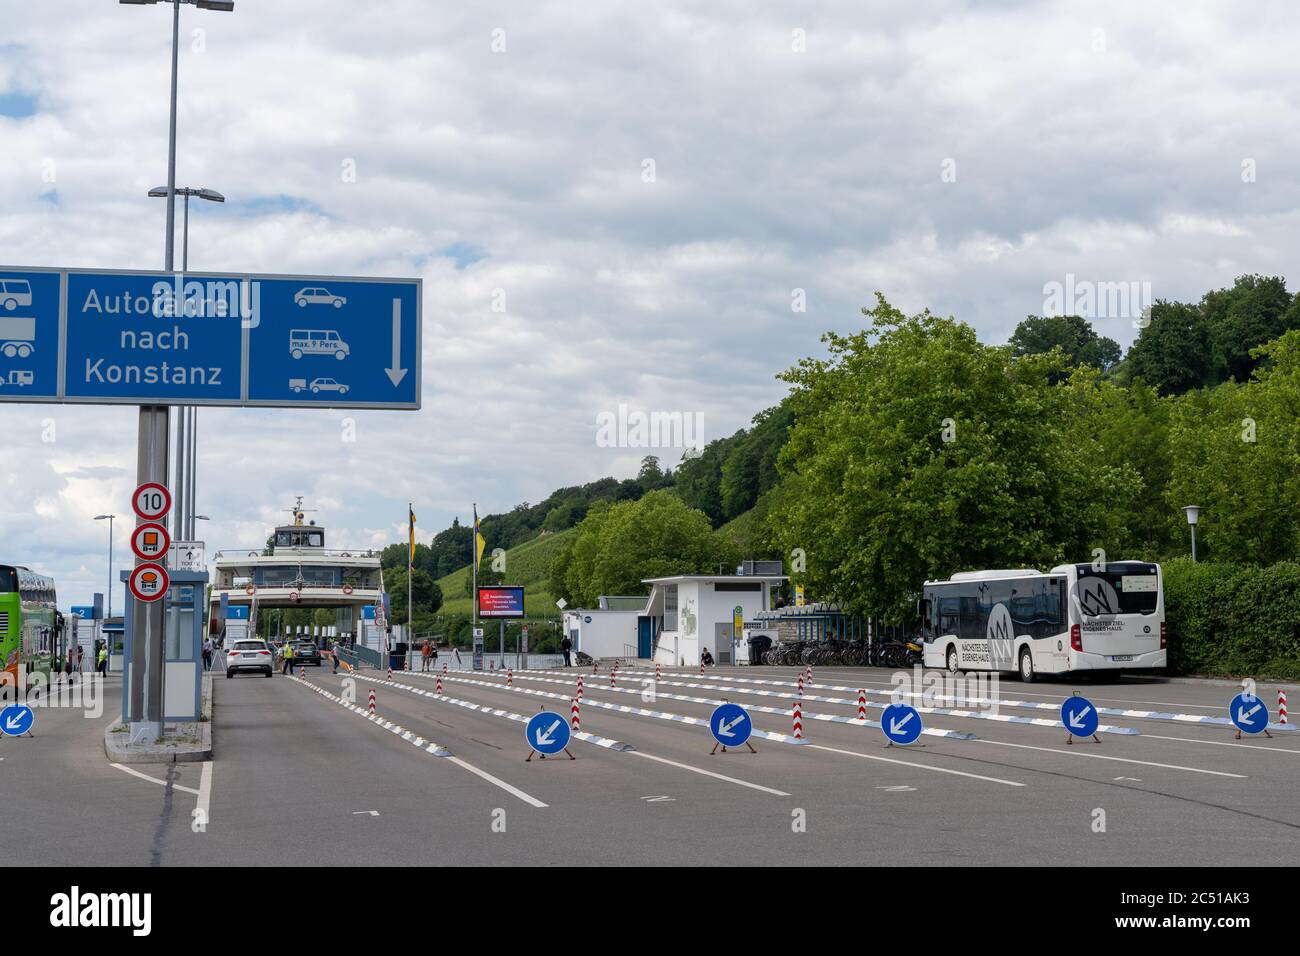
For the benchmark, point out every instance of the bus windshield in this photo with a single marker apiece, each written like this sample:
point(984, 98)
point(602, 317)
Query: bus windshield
point(8, 580)
point(1120, 589)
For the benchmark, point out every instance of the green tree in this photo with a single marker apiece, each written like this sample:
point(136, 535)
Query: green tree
point(426, 596)
point(918, 452)
point(1236, 453)
point(1174, 352)
point(1257, 309)
point(617, 548)
point(1072, 334)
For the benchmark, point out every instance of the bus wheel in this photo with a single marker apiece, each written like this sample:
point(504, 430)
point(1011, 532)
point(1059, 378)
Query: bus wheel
point(952, 660)
point(1026, 666)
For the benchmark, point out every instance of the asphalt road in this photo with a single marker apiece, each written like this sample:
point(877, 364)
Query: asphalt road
point(299, 778)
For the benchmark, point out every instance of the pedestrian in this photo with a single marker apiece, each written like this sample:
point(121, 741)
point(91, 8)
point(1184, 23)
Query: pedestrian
point(286, 664)
point(103, 659)
point(207, 653)
point(433, 656)
point(72, 659)
point(566, 645)
point(425, 652)
point(335, 655)
point(706, 658)
point(81, 651)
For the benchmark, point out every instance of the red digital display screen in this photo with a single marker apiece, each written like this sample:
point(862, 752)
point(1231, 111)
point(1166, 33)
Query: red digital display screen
point(501, 602)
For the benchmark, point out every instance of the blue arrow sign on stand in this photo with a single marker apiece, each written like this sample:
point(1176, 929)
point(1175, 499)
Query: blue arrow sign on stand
point(1250, 714)
point(16, 720)
point(110, 337)
point(901, 723)
point(731, 725)
point(547, 732)
point(1079, 716)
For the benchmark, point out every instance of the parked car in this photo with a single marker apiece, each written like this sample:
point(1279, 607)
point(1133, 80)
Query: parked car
point(250, 655)
point(306, 652)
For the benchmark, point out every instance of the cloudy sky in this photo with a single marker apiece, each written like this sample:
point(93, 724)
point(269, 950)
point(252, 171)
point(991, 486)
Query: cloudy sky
point(638, 188)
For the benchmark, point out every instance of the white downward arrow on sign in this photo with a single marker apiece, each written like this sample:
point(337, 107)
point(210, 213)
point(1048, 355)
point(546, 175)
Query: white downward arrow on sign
point(1076, 719)
point(544, 736)
point(396, 373)
point(896, 726)
point(724, 728)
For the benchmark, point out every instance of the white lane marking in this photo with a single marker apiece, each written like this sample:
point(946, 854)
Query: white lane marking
point(710, 773)
point(1092, 756)
point(1226, 743)
point(145, 776)
point(508, 788)
point(205, 792)
point(918, 766)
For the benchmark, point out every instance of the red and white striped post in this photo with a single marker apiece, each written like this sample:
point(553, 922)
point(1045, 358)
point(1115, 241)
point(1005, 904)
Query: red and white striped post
point(613, 677)
point(862, 704)
point(492, 665)
point(437, 687)
point(574, 719)
point(390, 673)
point(578, 696)
point(808, 673)
point(595, 668)
point(1281, 706)
point(800, 685)
point(444, 667)
point(510, 677)
point(701, 666)
point(372, 700)
point(798, 720)
point(658, 672)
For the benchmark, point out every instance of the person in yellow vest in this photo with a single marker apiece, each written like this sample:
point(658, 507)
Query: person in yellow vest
point(287, 651)
point(103, 660)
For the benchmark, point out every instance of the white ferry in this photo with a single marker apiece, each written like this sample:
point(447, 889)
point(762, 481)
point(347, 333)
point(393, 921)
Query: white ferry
point(296, 570)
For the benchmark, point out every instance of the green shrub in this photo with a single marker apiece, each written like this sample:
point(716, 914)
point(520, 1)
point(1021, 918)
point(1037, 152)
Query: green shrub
point(1230, 620)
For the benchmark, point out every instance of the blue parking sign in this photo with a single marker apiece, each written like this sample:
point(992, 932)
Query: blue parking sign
point(901, 723)
point(1250, 714)
point(730, 725)
point(547, 733)
point(16, 720)
point(1079, 716)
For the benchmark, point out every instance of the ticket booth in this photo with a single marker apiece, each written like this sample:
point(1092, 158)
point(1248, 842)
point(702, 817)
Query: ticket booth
point(183, 609)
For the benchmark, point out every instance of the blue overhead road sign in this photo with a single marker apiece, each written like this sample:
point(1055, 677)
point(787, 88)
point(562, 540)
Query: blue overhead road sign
point(547, 733)
point(1079, 716)
point(1250, 714)
point(209, 339)
point(731, 725)
point(901, 723)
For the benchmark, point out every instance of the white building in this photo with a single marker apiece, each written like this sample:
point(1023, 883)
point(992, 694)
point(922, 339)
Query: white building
point(606, 631)
point(690, 612)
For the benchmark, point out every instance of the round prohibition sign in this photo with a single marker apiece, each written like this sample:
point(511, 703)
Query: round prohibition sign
point(151, 501)
point(149, 582)
point(150, 541)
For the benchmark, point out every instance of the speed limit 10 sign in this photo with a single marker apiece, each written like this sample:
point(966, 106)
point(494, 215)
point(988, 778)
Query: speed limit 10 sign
point(151, 501)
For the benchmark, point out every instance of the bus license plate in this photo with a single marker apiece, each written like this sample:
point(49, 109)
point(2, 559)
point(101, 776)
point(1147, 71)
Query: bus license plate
point(1122, 657)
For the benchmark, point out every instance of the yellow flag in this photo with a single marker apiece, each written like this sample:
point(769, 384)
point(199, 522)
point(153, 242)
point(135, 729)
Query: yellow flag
point(480, 542)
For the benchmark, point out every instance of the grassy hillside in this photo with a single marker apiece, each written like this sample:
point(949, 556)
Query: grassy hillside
point(740, 530)
point(526, 564)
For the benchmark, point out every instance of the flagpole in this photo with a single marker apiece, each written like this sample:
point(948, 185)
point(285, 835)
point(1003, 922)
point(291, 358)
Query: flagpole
point(410, 573)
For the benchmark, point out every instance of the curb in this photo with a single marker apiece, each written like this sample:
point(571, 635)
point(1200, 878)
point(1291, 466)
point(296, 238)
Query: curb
point(118, 750)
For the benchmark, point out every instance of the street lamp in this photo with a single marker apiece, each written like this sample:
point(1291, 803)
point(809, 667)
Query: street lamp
point(143, 709)
point(186, 424)
point(110, 560)
point(1193, 513)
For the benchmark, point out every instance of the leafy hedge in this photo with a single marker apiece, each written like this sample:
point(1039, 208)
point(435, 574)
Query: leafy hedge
point(1232, 620)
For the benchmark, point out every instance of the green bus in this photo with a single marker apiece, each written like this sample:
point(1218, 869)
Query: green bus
point(30, 627)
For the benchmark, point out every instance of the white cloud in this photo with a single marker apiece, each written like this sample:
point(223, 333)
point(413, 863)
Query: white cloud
point(775, 170)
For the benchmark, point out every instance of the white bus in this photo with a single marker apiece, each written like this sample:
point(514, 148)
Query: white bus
point(1075, 617)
